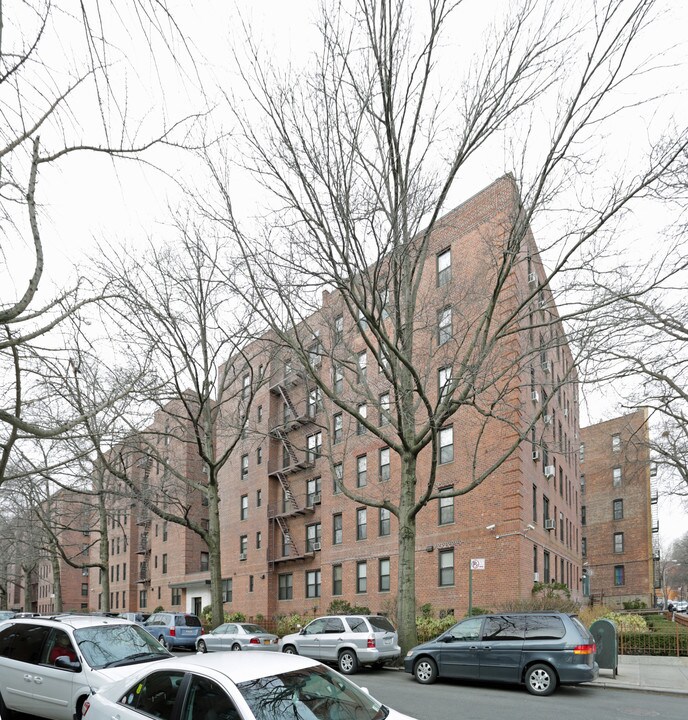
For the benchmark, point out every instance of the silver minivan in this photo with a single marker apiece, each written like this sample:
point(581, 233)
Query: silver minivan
point(347, 640)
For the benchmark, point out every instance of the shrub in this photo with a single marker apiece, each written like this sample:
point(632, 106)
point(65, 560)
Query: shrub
point(429, 628)
point(339, 607)
point(235, 617)
point(478, 611)
point(627, 623)
point(426, 610)
point(287, 624)
point(636, 604)
point(541, 602)
point(551, 590)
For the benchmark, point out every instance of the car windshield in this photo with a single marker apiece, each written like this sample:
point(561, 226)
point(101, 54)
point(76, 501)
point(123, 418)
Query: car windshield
point(253, 629)
point(187, 621)
point(315, 693)
point(106, 645)
point(381, 624)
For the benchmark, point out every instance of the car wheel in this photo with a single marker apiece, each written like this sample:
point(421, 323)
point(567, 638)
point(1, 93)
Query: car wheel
point(348, 662)
point(79, 708)
point(236, 647)
point(541, 679)
point(290, 650)
point(202, 646)
point(425, 671)
point(163, 642)
point(5, 714)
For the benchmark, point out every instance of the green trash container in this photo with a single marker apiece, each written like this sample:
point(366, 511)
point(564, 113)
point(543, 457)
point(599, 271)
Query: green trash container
point(607, 641)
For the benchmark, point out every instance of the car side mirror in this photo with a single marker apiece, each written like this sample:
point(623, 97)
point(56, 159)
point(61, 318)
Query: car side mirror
point(302, 631)
point(446, 638)
point(66, 664)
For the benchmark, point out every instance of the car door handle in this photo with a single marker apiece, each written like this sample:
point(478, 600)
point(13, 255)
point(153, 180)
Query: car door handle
point(487, 647)
point(473, 647)
point(38, 680)
point(28, 678)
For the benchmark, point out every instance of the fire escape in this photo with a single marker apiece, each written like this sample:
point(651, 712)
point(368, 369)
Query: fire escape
point(290, 461)
point(143, 520)
point(654, 499)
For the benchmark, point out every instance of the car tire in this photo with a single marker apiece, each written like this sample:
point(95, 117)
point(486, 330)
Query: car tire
point(541, 679)
point(347, 662)
point(236, 647)
point(425, 671)
point(164, 642)
point(202, 647)
point(79, 708)
point(5, 714)
point(290, 650)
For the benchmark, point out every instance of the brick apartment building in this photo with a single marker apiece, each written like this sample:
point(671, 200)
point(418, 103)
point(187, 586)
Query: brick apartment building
point(619, 505)
point(292, 542)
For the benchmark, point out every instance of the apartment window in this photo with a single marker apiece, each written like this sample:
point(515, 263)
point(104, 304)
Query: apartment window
point(361, 471)
point(584, 547)
point(616, 476)
point(313, 536)
point(259, 456)
point(243, 513)
point(535, 558)
point(315, 354)
point(361, 524)
point(581, 452)
point(314, 446)
point(244, 467)
point(314, 402)
point(362, 322)
point(363, 412)
point(259, 540)
point(444, 378)
point(546, 566)
point(616, 443)
point(384, 464)
point(446, 442)
point(338, 379)
point(338, 332)
point(583, 515)
point(619, 575)
point(245, 386)
point(259, 498)
point(384, 575)
point(446, 507)
point(446, 567)
point(313, 487)
point(545, 508)
point(143, 598)
point(384, 409)
point(243, 545)
point(176, 596)
point(336, 579)
point(285, 585)
point(313, 584)
point(361, 576)
point(385, 522)
point(534, 503)
point(618, 542)
point(164, 564)
point(205, 561)
point(337, 429)
point(582, 484)
point(84, 589)
point(227, 590)
point(259, 413)
point(444, 267)
point(362, 366)
point(337, 529)
point(617, 509)
point(444, 325)
point(337, 477)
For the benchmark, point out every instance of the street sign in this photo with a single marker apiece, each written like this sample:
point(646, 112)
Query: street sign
point(478, 564)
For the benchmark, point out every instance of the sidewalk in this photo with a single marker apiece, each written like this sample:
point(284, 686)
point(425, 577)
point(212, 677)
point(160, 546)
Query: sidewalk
point(649, 674)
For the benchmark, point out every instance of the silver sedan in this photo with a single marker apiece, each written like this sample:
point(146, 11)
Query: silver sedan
point(237, 636)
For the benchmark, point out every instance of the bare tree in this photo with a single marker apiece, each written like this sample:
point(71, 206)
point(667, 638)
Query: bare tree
point(362, 150)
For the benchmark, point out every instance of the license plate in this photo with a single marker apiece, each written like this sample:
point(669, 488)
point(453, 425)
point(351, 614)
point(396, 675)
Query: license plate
point(388, 641)
point(266, 642)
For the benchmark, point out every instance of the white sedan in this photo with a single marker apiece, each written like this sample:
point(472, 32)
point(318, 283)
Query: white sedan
point(230, 686)
point(237, 636)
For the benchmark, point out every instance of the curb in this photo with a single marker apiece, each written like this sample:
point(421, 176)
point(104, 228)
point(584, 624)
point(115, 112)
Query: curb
point(613, 685)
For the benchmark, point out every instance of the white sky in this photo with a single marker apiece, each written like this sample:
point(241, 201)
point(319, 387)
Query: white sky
point(87, 200)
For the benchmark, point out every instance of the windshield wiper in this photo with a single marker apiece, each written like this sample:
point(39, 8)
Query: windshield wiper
point(137, 658)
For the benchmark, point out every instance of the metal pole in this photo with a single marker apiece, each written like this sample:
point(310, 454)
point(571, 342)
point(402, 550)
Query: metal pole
point(470, 589)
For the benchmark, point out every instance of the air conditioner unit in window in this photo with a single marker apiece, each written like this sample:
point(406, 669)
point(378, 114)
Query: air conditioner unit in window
point(547, 366)
point(242, 556)
point(316, 546)
point(317, 499)
point(547, 419)
point(532, 278)
point(542, 303)
point(536, 577)
point(534, 396)
point(549, 471)
point(566, 412)
point(550, 524)
point(536, 454)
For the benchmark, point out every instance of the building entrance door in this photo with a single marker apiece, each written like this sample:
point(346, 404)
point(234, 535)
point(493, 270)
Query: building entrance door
point(197, 606)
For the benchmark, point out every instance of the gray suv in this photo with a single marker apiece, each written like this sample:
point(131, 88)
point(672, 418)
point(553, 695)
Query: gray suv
point(347, 640)
point(541, 650)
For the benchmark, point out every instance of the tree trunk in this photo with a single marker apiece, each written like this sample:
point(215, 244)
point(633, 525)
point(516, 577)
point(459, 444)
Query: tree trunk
point(406, 594)
point(215, 557)
point(57, 578)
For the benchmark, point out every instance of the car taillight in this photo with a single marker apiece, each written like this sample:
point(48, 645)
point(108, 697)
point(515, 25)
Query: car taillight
point(584, 649)
point(371, 642)
point(85, 707)
point(173, 632)
point(254, 641)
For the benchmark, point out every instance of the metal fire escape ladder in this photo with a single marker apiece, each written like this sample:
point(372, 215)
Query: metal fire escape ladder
point(282, 437)
point(284, 528)
point(288, 494)
point(292, 414)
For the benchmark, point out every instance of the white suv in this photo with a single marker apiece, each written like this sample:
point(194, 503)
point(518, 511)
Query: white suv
point(348, 640)
point(49, 666)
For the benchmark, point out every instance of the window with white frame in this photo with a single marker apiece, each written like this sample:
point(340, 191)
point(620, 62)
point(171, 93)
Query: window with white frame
point(361, 576)
point(337, 529)
point(446, 507)
point(618, 542)
point(361, 524)
point(361, 471)
point(385, 522)
point(444, 325)
point(616, 443)
point(362, 366)
point(446, 445)
point(313, 489)
point(384, 464)
point(285, 583)
point(314, 446)
point(313, 584)
point(444, 378)
point(227, 590)
point(244, 467)
point(446, 567)
point(443, 267)
point(384, 409)
point(243, 514)
point(337, 428)
point(337, 478)
point(363, 412)
point(362, 322)
point(313, 536)
point(337, 575)
point(314, 402)
point(338, 332)
point(338, 379)
point(245, 386)
point(384, 575)
point(616, 476)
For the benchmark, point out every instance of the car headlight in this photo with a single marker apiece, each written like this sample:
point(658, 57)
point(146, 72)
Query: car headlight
point(409, 653)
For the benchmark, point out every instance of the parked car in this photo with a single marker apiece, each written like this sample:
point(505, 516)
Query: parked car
point(49, 666)
point(6, 615)
point(681, 605)
point(259, 686)
point(540, 650)
point(135, 617)
point(348, 640)
point(237, 636)
point(174, 630)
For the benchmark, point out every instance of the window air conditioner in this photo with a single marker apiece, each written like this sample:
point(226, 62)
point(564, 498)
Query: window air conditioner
point(536, 454)
point(550, 524)
point(547, 366)
point(242, 556)
point(549, 471)
point(547, 419)
point(532, 278)
point(536, 577)
point(534, 396)
point(316, 546)
point(317, 499)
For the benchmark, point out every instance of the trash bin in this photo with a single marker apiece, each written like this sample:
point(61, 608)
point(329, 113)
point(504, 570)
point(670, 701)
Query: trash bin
point(607, 641)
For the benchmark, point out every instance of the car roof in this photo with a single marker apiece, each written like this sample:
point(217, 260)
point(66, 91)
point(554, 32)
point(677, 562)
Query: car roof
point(237, 667)
point(73, 621)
